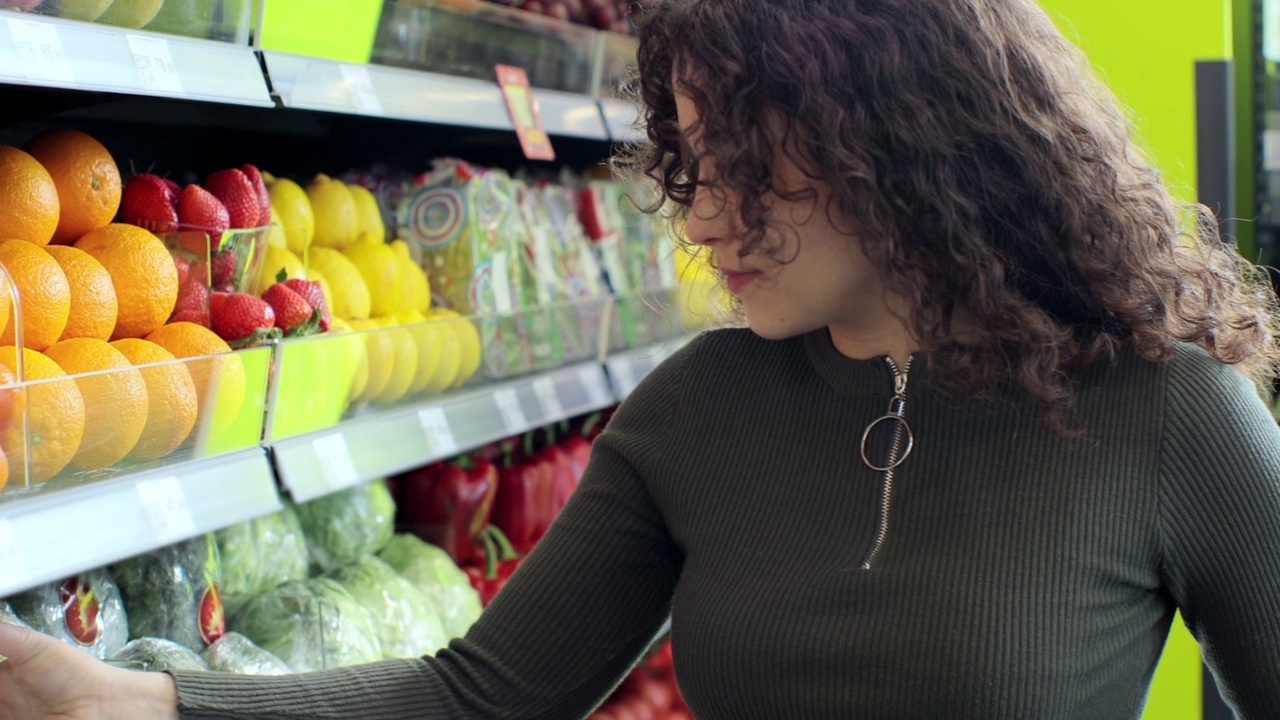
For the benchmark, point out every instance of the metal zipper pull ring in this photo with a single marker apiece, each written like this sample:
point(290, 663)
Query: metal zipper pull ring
point(901, 457)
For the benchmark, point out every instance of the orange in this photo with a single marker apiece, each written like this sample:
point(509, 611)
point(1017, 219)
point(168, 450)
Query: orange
point(30, 208)
point(219, 380)
point(55, 417)
point(93, 297)
point(4, 469)
point(9, 396)
point(87, 179)
point(43, 291)
point(115, 402)
point(142, 270)
point(171, 398)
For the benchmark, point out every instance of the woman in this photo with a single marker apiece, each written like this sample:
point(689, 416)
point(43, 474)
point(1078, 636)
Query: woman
point(993, 423)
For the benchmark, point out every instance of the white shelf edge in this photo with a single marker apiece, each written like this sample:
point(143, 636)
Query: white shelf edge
point(619, 118)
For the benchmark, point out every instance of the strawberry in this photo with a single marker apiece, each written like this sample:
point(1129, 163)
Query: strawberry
point(183, 267)
point(293, 315)
point(174, 188)
point(224, 269)
point(148, 203)
point(199, 317)
point(199, 209)
point(240, 318)
point(192, 295)
point(311, 292)
point(235, 191)
point(260, 188)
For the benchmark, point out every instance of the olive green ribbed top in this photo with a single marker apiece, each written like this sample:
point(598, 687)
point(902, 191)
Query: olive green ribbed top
point(1022, 576)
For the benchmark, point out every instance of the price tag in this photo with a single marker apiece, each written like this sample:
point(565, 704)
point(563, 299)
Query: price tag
point(624, 375)
point(523, 109)
point(40, 52)
point(439, 434)
point(165, 506)
point(13, 569)
point(154, 63)
point(335, 461)
point(509, 407)
point(548, 398)
point(360, 87)
point(593, 382)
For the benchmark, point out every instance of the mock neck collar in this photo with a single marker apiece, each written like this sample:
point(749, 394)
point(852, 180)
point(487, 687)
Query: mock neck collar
point(847, 376)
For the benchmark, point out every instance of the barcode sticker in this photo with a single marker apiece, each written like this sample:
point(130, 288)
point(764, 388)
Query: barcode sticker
point(154, 63)
point(13, 569)
point(335, 461)
point(439, 435)
point(509, 407)
point(548, 399)
point(165, 505)
point(39, 49)
point(593, 382)
point(360, 88)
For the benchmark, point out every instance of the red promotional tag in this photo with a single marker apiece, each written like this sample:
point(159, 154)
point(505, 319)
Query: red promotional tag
point(524, 113)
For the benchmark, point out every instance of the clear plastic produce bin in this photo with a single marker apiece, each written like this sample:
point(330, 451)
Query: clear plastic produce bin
point(224, 20)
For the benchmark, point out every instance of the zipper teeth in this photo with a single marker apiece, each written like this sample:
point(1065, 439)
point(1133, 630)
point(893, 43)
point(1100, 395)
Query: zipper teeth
point(895, 447)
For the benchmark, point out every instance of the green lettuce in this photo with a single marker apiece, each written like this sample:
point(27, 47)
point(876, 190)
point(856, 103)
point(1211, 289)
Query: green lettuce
point(261, 554)
point(345, 525)
point(431, 570)
point(156, 654)
point(235, 653)
point(407, 622)
point(311, 625)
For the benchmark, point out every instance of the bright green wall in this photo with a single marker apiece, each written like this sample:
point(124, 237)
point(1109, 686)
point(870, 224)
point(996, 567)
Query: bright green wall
point(1146, 51)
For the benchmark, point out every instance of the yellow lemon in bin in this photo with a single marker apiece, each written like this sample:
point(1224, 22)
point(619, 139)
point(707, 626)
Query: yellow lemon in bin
point(381, 354)
point(404, 363)
point(274, 260)
point(131, 14)
point(450, 355)
point(277, 236)
point(377, 264)
point(291, 206)
point(350, 292)
point(359, 357)
point(469, 347)
point(426, 336)
point(86, 10)
point(368, 214)
point(335, 212)
point(415, 289)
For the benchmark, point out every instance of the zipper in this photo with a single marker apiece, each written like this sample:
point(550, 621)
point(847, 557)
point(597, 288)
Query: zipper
point(898, 453)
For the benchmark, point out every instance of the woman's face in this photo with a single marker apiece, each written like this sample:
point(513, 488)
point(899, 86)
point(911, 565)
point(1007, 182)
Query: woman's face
point(828, 283)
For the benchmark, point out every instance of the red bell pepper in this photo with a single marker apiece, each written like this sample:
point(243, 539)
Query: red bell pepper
point(492, 562)
point(449, 504)
point(515, 510)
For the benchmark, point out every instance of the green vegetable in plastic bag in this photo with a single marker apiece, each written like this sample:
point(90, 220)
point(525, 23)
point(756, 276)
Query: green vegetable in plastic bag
point(174, 592)
point(155, 654)
point(345, 525)
point(235, 653)
point(262, 553)
point(311, 625)
point(85, 611)
point(8, 616)
point(431, 570)
point(407, 622)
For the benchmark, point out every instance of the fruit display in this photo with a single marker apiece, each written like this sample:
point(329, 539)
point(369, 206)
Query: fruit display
point(600, 14)
point(213, 19)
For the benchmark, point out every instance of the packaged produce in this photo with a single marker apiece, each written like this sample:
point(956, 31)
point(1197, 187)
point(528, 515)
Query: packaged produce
point(408, 623)
point(152, 654)
point(7, 615)
point(260, 554)
point(84, 611)
point(175, 593)
point(345, 525)
point(235, 653)
point(579, 276)
point(432, 571)
point(311, 625)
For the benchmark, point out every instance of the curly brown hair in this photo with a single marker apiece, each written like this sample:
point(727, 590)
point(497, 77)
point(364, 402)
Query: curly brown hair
point(995, 182)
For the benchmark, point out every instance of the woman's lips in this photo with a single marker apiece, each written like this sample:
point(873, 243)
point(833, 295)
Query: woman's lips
point(736, 281)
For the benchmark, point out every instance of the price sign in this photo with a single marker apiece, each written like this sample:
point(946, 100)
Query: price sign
point(13, 569)
point(523, 108)
point(40, 52)
point(509, 407)
point(165, 505)
point(360, 87)
point(335, 461)
point(548, 398)
point(154, 63)
point(593, 382)
point(624, 375)
point(439, 434)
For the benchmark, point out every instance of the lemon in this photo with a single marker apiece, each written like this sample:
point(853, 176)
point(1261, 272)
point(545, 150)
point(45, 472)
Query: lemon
point(404, 361)
point(450, 354)
point(359, 357)
point(469, 347)
point(350, 293)
point(290, 204)
point(380, 352)
point(427, 336)
point(377, 264)
point(276, 235)
point(415, 288)
point(131, 14)
point(86, 10)
point(335, 211)
point(368, 214)
point(273, 261)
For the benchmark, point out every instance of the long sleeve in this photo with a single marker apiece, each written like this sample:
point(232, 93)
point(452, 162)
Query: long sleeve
point(563, 632)
point(1220, 517)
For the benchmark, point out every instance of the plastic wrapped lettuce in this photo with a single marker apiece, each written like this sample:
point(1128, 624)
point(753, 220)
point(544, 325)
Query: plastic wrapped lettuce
point(431, 570)
point(84, 611)
point(345, 525)
point(407, 622)
point(260, 554)
point(235, 653)
point(8, 616)
point(311, 625)
point(174, 592)
point(156, 654)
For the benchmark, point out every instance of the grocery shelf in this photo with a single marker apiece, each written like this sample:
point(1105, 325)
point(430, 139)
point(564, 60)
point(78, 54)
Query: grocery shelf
point(50, 52)
point(309, 83)
point(386, 442)
point(619, 118)
point(628, 368)
point(48, 536)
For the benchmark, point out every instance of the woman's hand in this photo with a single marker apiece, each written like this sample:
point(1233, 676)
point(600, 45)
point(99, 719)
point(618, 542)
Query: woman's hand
point(45, 679)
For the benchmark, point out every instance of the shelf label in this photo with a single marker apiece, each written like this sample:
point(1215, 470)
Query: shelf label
point(154, 63)
point(335, 461)
point(509, 407)
point(165, 506)
point(12, 567)
point(593, 382)
point(40, 52)
point(523, 108)
point(548, 399)
point(360, 87)
point(439, 434)
point(624, 374)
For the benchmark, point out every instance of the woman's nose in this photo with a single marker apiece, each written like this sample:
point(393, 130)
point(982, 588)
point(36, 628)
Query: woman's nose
point(709, 219)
